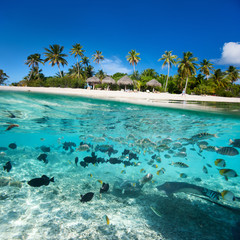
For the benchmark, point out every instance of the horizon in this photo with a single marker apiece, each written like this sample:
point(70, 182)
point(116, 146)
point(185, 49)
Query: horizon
point(106, 27)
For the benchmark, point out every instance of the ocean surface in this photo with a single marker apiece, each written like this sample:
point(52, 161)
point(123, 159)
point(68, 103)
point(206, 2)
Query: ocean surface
point(83, 143)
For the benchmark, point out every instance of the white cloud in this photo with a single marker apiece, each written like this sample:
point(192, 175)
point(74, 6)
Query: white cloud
point(230, 54)
point(114, 65)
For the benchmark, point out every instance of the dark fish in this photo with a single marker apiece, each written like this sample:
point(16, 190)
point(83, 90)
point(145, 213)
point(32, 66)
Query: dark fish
point(38, 182)
point(114, 161)
point(133, 156)
point(125, 152)
point(83, 164)
point(235, 143)
point(211, 194)
point(8, 166)
point(205, 170)
point(76, 160)
point(43, 157)
point(210, 166)
point(11, 115)
point(11, 126)
point(104, 188)
point(69, 146)
point(87, 197)
point(198, 179)
point(3, 148)
point(201, 136)
point(154, 156)
point(12, 145)
point(45, 149)
point(230, 151)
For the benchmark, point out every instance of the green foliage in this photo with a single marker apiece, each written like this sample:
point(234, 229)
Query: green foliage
point(118, 75)
point(3, 76)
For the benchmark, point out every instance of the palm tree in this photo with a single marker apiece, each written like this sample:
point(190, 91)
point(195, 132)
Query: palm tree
point(77, 51)
point(133, 58)
point(98, 57)
point(206, 67)
point(3, 76)
point(33, 61)
point(85, 61)
point(101, 75)
point(233, 74)
point(218, 77)
point(187, 67)
point(149, 72)
point(168, 59)
point(55, 56)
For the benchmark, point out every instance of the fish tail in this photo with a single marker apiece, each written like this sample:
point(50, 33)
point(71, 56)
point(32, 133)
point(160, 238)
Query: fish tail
point(52, 179)
point(4, 168)
point(226, 178)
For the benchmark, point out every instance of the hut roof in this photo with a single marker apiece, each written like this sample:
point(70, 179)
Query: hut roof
point(93, 80)
point(108, 80)
point(125, 80)
point(154, 83)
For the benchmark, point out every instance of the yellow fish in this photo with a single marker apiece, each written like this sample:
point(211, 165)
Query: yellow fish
point(134, 184)
point(227, 195)
point(155, 165)
point(100, 181)
point(142, 170)
point(107, 219)
point(161, 171)
point(123, 171)
point(228, 173)
point(90, 175)
point(220, 162)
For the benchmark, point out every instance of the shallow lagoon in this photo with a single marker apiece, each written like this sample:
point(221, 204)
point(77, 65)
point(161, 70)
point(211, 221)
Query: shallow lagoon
point(55, 212)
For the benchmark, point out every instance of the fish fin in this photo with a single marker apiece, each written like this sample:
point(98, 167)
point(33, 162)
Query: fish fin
point(52, 179)
point(230, 141)
point(226, 178)
point(156, 211)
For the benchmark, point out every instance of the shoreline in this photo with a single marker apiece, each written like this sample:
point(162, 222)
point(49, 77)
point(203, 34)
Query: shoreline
point(179, 101)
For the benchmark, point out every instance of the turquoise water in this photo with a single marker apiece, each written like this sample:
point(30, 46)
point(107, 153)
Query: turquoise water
point(55, 212)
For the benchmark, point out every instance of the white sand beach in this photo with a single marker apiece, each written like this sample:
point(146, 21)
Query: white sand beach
point(143, 98)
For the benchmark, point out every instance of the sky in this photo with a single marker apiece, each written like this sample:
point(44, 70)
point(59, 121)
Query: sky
point(208, 28)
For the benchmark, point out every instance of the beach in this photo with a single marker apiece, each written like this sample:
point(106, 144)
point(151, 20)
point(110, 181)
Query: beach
point(143, 98)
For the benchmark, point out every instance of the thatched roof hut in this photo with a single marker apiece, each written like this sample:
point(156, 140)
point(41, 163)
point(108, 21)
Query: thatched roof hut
point(93, 80)
point(108, 80)
point(125, 80)
point(153, 83)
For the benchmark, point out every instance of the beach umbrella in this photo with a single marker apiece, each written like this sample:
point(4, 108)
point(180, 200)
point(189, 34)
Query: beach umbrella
point(93, 81)
point(153, 83)
point(108, 80)
point(125, 80)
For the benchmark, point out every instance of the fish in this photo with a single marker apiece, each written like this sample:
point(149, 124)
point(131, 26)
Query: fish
point(142, 170)
point(180, 154)
point(161, 171)
point(155, 165)
point(150, 162)
point(83, 148)
point(177, 145)
point(123, 171)
point(220, 162)
point(205, 170)
point(104, 188)
point(227, 195)
point(148, 177)
point(90, 175)
point(210, 166)
point(179, 164)
point(11, 126)
point(100, 181)
point(42, 139)
point(211, 194)
point(230, 151)
point(3, 148)
point(125, 152)
point(43, 157)
point(76, 160)
point(87, 197)
point(114, 161)
point(45, 149)
point(235, 143)
point(228, 173)
point(8, 166)
point(167, 156)
point(167, 140)
point(158, 159)
point(133, 156)
point(156, 211)
point(203, 135)
point(183, 175)
point(107, 220)
point(12, 145)
point(38, 182)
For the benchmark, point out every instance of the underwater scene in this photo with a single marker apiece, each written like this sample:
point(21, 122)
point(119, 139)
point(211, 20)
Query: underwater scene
point(79, 168)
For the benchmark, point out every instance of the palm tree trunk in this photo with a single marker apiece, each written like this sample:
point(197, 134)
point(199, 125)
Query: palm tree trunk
point(185, 88)
point(167, 80)
point(134, 68)
point(30, 75)
point(78, 67)
point(59, 71)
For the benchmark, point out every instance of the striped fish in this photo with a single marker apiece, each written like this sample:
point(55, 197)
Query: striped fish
point(211, 194)
point(230, 151)
point(179, 164)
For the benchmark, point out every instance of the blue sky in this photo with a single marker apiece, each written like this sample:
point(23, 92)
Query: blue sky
point(208, 28)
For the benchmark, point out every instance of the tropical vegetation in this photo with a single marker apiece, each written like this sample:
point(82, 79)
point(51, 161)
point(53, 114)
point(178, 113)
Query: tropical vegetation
point(192, 77)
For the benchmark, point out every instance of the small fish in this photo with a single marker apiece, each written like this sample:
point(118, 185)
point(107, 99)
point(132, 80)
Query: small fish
point(11, 126)
point(179, 164)
point(158, 159)
point(38, 182)
point(205, 170)
point(148, 177)
point(235, 143)
point(161, 171)
point(12, 145)
point(228, 173)
point(203, 135)
point(167, 156)
point(220, 162)
point(83, 148)
point(133, 184)
point(123, 171)
point(180, 154)
point(155, 165)
point(76, 160)
point(211, 194)
point(210, 166)
point(43, 157)
point(183, 175)
point(90, 175)
point(8, 166)
point(227, 195)
point(107, 220)
point(42, 139)
point(100, 181)
point(142, 170)
point(230, 151)
point(45, 149)
point(104, 188)
point(87, 197)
